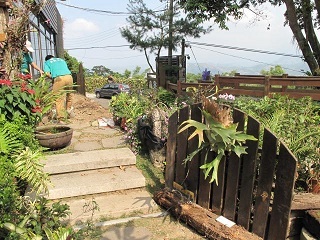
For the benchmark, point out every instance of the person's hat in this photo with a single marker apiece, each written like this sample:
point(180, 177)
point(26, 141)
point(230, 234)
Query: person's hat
point(29, 46)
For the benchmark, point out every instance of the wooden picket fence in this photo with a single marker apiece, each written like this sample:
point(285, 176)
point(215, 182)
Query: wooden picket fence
point(258, 85)
point(255, 191)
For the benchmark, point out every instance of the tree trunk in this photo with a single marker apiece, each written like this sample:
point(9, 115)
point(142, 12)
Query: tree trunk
point(145, 53)
point(317, 5)
point(309, 29)
point(201, 219)
point(301, 40)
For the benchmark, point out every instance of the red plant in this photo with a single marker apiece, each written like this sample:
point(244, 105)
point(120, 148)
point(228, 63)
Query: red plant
point(5, 82)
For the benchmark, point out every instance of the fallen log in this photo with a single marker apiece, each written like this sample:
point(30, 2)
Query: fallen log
point(201, 219)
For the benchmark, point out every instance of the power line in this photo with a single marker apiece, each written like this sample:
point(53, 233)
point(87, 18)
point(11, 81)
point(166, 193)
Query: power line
point(195, 58)
point(117, 57)
point(245, 49)
point(248, 59)
point(83, 48)
point(102, 11)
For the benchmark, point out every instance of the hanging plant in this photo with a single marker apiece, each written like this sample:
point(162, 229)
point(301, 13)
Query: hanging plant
point(221, 134)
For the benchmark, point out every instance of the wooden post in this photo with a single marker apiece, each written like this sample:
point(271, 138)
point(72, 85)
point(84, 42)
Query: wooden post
point(216, 81)
point(4, 55)
point(266, 85)
point(162, 76)
point(80, 81)
point(284, 88)
point(179, 88)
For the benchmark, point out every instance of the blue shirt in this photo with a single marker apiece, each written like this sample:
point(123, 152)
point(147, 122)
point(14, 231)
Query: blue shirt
point(56, 67)
point(26, 60)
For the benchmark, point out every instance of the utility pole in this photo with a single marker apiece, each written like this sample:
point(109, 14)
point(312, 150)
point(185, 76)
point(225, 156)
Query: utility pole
point(170, 34)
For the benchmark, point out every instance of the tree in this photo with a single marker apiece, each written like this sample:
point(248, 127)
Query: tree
point(229, 74)
point(72, 62)
point(148, 30)
point(101, 71)
point(273, 71)
point(302, 16)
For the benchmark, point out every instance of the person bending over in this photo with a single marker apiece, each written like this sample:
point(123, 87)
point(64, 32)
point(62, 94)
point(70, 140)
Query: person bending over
point(57, 69)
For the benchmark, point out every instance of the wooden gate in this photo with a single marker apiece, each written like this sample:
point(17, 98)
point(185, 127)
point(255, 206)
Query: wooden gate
point(255, 191)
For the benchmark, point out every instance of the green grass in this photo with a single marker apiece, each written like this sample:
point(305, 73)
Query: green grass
point(154, 176)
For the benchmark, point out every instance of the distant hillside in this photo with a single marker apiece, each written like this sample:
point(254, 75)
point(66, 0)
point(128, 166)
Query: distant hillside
point(294, 67)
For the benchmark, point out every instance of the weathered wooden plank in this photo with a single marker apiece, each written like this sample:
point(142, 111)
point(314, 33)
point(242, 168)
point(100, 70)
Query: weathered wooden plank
point(193, 171)
point(248, 174)
point(266, 173)
point(233, 171)
point(247, 80)
point(204, 184)
point(171, 150)
point(217, 195)
point(182, 144)
point(238, 92)
point(283, 194)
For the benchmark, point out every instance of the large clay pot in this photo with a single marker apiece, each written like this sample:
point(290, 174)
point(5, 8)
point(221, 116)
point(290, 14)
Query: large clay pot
point(54, 136)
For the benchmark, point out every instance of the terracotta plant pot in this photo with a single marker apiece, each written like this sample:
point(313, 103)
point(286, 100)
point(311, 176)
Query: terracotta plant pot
point(54, 136)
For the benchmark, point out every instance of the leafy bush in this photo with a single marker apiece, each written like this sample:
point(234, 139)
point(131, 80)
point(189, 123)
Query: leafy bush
point(21, 131)
point(296, 122)
point(166, 97)
point(16, 99)
point(10, 202)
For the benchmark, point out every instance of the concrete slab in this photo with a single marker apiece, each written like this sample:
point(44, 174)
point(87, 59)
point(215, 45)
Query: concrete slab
point(113, 142)
point(127, 233)
point(103, 131)
point(87, 146)
point(74, 162)
point(95, 181)
point(128, 203)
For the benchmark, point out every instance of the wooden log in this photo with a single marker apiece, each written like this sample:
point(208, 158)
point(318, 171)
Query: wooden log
point(201, 219)
point(305, 201)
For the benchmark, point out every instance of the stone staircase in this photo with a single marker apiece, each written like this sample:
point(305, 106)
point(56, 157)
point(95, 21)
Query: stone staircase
point(105, 178)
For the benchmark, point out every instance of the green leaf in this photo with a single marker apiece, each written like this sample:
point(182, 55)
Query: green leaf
point(2, 103)
point(13, 228)
point(9, 97)
point(212, 166)
point(239, 150)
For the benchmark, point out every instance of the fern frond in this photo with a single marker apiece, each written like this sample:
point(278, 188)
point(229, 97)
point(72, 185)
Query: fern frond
point(28, 167)
point(8, 142)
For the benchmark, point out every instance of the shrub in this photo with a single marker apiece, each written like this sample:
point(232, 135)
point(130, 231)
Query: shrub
point(16, 99)
point(296, 122)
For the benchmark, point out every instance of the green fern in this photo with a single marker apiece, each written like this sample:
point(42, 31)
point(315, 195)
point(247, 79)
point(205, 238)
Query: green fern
point(28, 167)
point(8, 142)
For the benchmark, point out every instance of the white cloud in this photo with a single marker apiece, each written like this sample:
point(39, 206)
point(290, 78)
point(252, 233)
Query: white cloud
point(79, 27)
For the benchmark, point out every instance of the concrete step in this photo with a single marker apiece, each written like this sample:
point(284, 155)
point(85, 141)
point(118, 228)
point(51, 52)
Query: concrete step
point(126, 203)
point(95, 181)
point(80, 161)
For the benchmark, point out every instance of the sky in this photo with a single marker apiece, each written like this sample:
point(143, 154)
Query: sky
point(85, 32)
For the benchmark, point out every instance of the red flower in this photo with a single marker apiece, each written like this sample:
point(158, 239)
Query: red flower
point(36, 109)
point(5, 82)
point(24, 76)
point(31, 91)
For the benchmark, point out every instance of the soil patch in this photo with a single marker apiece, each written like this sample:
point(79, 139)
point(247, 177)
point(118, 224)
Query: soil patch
point(87, 110)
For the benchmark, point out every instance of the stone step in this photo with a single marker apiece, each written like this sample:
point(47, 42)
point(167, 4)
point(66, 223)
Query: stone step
point(80, 161)
point(95, 181)
point(118, 204)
